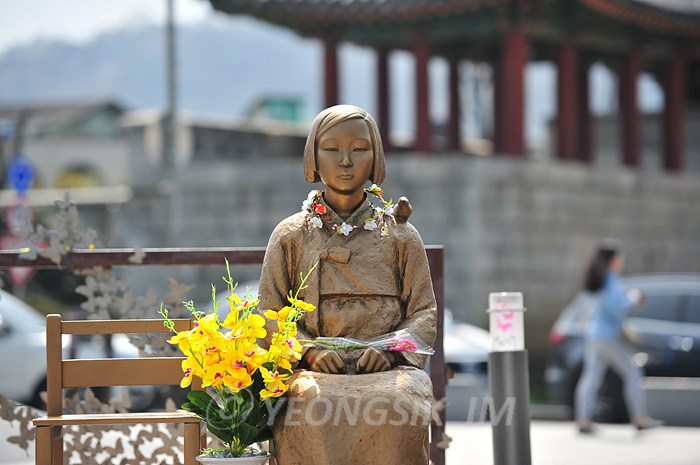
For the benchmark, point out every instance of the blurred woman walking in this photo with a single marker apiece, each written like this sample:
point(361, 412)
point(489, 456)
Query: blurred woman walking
point(604, 346)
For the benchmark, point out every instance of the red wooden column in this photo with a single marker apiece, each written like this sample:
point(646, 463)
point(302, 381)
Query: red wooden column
point(567, 102)
point(453, 133)
point(631, 119)
point(383, 97)
point(330, 72)
point(510, 101)
point(585, 119)
point(423, 131)
point(674, 94)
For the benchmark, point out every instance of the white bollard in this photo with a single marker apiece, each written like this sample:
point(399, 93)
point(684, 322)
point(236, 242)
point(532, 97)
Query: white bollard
point(509, 380)
point(506, 321)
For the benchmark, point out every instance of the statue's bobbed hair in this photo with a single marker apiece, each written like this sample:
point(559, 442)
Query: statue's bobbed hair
point(329, 118)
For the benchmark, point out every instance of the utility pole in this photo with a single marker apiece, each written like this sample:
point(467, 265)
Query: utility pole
point(174, 223)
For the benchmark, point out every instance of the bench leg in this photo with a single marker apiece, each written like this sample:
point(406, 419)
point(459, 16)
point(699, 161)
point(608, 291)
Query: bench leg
point(48, 445)
point(192, 442)
point(42, 445)
point(57, 445)
point(202, 436)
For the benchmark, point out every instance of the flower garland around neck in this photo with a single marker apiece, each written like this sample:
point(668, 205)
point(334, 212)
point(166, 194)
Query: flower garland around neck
point(319, 212)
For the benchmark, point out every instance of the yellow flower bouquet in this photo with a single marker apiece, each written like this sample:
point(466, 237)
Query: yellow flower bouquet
point(247, 378)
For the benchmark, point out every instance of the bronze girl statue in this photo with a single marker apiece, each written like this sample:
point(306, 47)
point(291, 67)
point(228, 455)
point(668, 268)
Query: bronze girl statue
point(372, 278)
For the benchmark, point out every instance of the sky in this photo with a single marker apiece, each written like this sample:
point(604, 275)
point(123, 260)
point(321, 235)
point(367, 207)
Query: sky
point(76, 21)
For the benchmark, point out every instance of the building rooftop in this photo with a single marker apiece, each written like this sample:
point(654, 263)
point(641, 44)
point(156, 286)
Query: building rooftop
point(389, 23)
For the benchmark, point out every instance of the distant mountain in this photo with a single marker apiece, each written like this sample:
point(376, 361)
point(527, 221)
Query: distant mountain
point(223, 67)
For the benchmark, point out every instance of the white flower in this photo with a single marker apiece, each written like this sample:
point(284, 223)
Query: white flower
point(316, 222)
point(305, 205)
point(390, 210)
point(375, 190)
point(345, 229)
point(371, 224)
point(312, 194)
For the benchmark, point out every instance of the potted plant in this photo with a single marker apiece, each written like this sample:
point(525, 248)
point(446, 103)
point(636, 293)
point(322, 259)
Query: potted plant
point(247, 379)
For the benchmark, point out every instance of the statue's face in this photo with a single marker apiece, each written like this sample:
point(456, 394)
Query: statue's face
point(345, 156)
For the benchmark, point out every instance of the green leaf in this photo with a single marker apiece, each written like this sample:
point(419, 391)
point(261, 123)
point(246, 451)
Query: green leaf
point(193, 414)
point(264, 434)
point(190, 407)
point(210, 410)
point(203, 400)
point(258, 382)
point(224, 433)
point(245, 411)
point(257, 414)
point(248, 433)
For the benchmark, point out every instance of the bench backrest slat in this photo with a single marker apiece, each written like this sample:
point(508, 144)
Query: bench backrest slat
point(121, 326)
point(151, 371)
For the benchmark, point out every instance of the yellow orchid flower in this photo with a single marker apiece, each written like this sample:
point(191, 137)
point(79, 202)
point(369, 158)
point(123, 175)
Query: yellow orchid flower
point(292, 345)
point(208, 324)
point(284, 364)
point(236, 303)
point(288, 328)
point(236, 384)
point(300, 304)
point(231, 320)
point(190, 368)
point(253, 356)
point(214, 376)
point(182, 340)
point(271, 376)
point(254, 326)
point(281, 315)
point(273, 389)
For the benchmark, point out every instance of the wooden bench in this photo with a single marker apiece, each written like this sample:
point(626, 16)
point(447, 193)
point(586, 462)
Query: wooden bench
point(65, 374)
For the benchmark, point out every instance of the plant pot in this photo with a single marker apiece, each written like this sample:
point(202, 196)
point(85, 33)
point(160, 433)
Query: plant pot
point(251, 460)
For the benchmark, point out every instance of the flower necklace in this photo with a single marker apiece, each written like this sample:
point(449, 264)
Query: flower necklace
point(319, 212)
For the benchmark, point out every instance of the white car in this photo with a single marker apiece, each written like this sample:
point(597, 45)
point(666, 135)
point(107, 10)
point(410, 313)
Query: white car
point(23, 349)
point(466, 349)
point(23, 360)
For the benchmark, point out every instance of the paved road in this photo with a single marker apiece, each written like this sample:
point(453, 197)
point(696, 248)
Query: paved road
point(553, 443)
point(559, 443)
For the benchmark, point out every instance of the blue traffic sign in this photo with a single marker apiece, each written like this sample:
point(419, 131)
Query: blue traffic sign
point(20, 173)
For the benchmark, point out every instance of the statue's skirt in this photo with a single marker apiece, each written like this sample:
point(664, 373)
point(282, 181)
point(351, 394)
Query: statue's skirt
point(355, 419)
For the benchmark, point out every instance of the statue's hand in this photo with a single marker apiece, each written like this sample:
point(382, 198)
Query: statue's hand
point(324, 361)
point(374, 360)
point(403, 210)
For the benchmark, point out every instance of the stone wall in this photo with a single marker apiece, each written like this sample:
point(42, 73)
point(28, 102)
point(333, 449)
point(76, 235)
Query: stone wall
point(506, 224)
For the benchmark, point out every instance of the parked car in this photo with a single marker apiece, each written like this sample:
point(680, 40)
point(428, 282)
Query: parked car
point(23, 349)
point(466, 350)
point(667, 329)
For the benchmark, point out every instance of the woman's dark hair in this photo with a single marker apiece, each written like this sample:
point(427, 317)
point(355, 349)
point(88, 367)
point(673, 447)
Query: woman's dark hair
point(598, 268)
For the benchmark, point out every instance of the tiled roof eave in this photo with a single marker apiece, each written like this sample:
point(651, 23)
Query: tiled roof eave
point(667, 22)
point(327, 13)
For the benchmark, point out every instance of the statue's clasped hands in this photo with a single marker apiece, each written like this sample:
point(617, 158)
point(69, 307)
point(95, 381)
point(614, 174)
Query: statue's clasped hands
point(328, 361)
